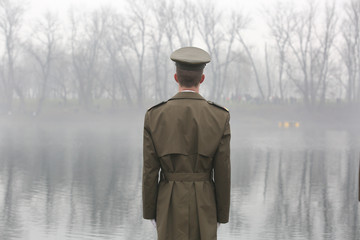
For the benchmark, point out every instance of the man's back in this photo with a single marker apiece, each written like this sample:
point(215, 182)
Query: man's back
point(186, 125)
point(187, 137)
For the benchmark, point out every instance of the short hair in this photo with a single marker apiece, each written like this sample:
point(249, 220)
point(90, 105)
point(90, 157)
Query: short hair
point(189, 78)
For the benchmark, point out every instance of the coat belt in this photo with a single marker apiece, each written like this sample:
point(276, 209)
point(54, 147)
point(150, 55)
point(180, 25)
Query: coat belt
point(186, 177)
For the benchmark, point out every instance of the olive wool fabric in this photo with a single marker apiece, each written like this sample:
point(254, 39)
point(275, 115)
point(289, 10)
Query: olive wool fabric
point(186, 168)
point(190, 58)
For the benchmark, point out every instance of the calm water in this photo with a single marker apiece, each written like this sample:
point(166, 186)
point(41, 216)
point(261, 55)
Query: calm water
point(83, 181)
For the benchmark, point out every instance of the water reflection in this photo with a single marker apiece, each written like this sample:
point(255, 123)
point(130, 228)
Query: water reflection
point(81, 182)
point(302, 191)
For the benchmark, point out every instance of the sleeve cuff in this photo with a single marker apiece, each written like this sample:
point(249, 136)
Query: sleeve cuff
point(149, 215)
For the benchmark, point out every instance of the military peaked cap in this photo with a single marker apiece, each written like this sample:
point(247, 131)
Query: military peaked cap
point(190, 58)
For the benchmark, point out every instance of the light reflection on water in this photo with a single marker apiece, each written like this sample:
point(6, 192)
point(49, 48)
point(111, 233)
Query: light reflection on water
point(84, 182)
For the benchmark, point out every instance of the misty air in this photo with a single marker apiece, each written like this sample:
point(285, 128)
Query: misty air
point(81, 81)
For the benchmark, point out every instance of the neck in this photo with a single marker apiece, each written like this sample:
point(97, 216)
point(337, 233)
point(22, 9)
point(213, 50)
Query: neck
point(195, 88)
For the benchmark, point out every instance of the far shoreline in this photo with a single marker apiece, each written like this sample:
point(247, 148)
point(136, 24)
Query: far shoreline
point(246, 115)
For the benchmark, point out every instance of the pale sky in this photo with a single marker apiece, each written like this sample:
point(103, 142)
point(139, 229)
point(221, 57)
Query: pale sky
point(250, 7)
point(40, 5)
point(257, 30)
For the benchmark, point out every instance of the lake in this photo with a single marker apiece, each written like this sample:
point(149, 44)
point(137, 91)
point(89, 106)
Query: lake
point(82, 180)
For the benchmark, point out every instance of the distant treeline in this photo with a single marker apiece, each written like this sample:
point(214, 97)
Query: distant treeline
point(312, 53)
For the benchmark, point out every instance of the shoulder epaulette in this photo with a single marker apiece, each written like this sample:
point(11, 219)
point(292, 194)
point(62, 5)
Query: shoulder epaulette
point(216, 105)
point(159, 104)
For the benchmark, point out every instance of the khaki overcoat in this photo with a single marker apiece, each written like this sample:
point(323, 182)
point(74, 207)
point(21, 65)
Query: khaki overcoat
point(188, 139)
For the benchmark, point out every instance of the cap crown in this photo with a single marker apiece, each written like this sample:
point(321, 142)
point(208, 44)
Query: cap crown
point(191, 56)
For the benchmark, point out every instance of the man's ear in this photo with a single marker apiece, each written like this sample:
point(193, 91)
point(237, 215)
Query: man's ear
point(202, 78)
point(175, 77)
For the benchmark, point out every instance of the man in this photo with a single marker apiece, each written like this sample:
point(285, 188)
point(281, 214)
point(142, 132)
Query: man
point(188, 139)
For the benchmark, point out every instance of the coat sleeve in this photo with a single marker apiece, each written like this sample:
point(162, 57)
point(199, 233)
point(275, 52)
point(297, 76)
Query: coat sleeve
point(151, 166)
point(222, 176)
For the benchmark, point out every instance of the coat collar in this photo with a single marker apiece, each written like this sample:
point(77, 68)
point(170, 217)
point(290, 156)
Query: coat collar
point(187, 95)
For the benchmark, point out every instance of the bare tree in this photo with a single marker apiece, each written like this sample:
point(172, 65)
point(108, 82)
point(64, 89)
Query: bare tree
point(169, 30)
point(237, 21)
point(326, 40)
point(211, 33)
point(310, 49)
point(115, 45)
point(186, 16)
point(351, 51)
point(269, 87)
point(252, 61)
point(43, 49)
point(219, 36)
point(114, 72)
point(125, 55)
point(135, 34)
point(11, 15)
point(278, 20)
point(300, 42)
point(86, 44)
point(62, 77)
point(158, 39)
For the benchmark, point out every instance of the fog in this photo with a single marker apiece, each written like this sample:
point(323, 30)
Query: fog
point(81, 179)
point(109, 57)
point(76, 80)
